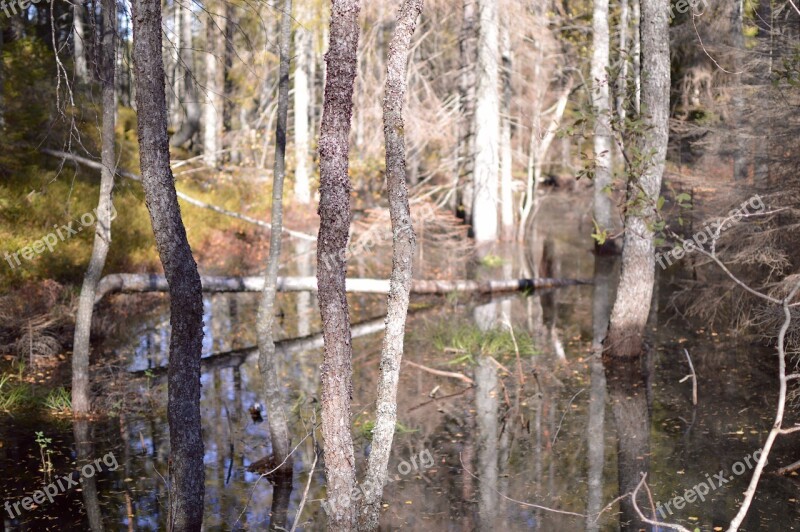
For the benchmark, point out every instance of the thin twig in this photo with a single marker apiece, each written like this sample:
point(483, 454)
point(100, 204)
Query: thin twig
point(440, 373)
point(647, 520)
point(692, 376)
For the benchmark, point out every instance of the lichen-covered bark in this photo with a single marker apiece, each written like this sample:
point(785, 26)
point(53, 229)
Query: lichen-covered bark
point(632, 304)
point(335, 215)
point(402, 256)
point(81, 386)
point(186, 472)
point(276, 413)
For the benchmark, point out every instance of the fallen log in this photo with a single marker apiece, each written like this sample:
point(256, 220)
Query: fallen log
point(130, 283)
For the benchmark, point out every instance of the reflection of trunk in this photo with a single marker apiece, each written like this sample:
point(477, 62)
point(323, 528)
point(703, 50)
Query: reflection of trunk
point(79, 43)
point(191, 105)
point(635, 287)
point(402, 257)
point(186, 298)
point(105, 210)
point(267, 365)
point(281, 496)
point(486, 399)
point(304, 54)
point(486, 126)
point(602, 124)
point(628, 397)
point(335, 214)
point(85, 449)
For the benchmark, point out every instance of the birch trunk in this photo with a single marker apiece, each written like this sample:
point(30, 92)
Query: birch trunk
point(267, 365)
point(81, 386)
point(404, 241)
point(79, 43)
point(304, 50)
point(186, 487)
point(335, 216)
point(487, 127)
point(602, 124)
point(190, 102)
point(506, 158)
point(212, 110)
point(468, 55)
point(632, 304)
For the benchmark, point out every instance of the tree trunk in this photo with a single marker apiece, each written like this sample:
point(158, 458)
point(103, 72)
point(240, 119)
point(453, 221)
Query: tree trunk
point(507, 163)
point(267, 365)
point(2, 92)
point(81, 386)
point(602, 125)
point(190, 103)
point(79, 43)
point(303, 50)
point(404, 241)
point(487, 127)
point(335, 215)
point(468, 55)
point(632, 304)
point(212, 110)
point(636, 52)
point(186, 487)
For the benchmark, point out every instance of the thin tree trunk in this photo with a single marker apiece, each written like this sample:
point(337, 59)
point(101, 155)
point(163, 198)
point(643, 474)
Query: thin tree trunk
point(636, 51)
point(602, 124)
point(267, 365)
point(487, 127)
point(335, 215)
point(624, 56)
point(190, 103)
point(212, 110)
point(506, 158)
point(81, 387)
point(304, 50)
point(632, 304)
point(468, 55)
point(404, 241)
point(79, 43)
point(186, 471)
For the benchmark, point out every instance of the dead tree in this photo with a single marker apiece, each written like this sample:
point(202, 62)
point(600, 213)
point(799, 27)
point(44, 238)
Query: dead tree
point(186, 471)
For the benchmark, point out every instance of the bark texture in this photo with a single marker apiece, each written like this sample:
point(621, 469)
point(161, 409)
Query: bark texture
point(186, 300)
point(81, 385)
point(267, 365)
point(487, 127)
point(304, 50)
point(632, 304)
point(403, 244)
point(335, 215)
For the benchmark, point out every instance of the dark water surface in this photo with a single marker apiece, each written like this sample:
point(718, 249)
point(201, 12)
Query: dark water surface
point(464, 458)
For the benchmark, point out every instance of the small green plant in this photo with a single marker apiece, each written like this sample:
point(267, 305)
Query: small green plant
point(468, 342)
point(59, 402)
point(366, 430)
point(45, 452)
point(492, 261)
point(13, 396)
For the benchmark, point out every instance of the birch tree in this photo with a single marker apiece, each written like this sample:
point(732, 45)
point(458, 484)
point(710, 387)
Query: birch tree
point(190, 101)
point(632, 304)
point(335, 215)
point(212, 110)
point(81, 386)
point(79, 43)
point(602, 124)
point(403, 244)
point(304, 59)
point(186, 472)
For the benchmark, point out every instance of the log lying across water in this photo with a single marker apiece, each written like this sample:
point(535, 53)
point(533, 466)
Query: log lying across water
point(139, 283)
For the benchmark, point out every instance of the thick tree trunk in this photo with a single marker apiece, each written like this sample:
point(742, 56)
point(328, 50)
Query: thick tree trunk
point(487, 127)
point(212, 110)
point(602, 125)
point(79, 43)
point(186, 486)
point(81, 386)
point(468, 55)
point(632, 304)
point(303, 53)
point(137, 283)
point(190, 102)
point(506, 158)
point(335, 215)
point(404, 242)
point(267, 365)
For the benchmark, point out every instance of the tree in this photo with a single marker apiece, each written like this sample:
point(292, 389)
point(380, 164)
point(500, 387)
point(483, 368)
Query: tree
point(632, 304)
point(81, 386)
point(602, 124)
point(335, 215)
point(506, 157)
point(190, 102)
point(487, 127)
point(212, 110)
point(79, 43)
point(276, 413)
point(403, 245)
point(468, 55)
point(186, 488)
point(304, 60)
